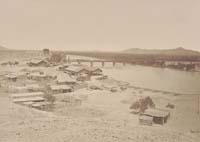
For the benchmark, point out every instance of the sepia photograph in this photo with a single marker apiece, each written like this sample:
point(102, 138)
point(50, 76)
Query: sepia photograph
point(99, 71)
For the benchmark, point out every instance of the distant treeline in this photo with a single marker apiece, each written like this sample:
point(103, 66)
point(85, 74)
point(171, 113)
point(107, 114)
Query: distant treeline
point(113, 56)
point(130, 57)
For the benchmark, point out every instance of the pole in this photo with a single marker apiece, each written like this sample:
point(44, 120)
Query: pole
point(198, 104)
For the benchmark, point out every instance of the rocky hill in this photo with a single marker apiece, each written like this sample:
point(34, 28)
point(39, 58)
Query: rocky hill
point(177, 51)
point(3, 48)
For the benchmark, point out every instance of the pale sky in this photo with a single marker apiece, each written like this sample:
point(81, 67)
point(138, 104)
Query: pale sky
point(99, 24)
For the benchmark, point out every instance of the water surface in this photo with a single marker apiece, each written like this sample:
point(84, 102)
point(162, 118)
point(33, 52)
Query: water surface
point(158, 78)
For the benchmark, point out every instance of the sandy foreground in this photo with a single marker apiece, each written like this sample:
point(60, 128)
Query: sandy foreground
point(103, 117)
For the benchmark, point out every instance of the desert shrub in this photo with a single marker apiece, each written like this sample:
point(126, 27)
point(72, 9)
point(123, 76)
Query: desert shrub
point(57, 57)
point(143, 104)
point(50, 98)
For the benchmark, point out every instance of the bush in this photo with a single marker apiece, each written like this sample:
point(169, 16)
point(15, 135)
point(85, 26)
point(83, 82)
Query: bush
point(48, 95)
point(57, 57)
point(50, 98)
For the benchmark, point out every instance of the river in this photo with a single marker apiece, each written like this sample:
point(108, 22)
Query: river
point(157, 78)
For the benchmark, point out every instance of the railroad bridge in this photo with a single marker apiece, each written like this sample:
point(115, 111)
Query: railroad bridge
point(92, 62)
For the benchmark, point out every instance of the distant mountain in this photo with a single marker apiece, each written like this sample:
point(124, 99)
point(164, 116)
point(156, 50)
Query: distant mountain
point(177, 51)
point(3, 48)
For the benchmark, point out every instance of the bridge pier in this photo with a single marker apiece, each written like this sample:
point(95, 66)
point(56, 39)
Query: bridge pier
point(68, 60)
point(103, 63)
point(91, 63)
point(114, 64)
point(124, 64)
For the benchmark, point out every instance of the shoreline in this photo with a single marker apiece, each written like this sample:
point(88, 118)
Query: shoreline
point(164, 80)
point(161, 91)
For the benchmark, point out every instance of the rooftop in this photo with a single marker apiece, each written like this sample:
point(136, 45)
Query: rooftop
point(11, 76)
point(59, 87)
point(31, 86)
point(80, 68)
point(61, 78)
point(27, 94)
point(31, 99)
point(37, 74)
point(156, 113)
point(74, 68)
point(36, 61)
point(143, 117)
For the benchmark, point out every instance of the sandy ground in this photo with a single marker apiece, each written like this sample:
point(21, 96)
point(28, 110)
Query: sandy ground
point(103, 117)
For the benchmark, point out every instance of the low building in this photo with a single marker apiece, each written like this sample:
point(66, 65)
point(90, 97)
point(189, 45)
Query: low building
point(78, 70)
point(74, 70)
point(83, 77)
point(11, 77)
point(26, 71)
point(197, 68)
point(103, 77)
point(37, 76)
point(146, 120)
point(65, 79)
point(93, 71)
point(79, 86)
point(38, 63)
point(26, 88)
point(69, 99)
point(41, 105)
point(62, 67)
point(27, 95)
point(16, 89)
point(57, 89)
point(30, 99)
point(33, 87)
point(159, 116)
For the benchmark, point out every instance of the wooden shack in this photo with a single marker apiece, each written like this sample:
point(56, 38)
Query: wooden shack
point(33, 87)
point(11, 77)
point(62, 67)
point(78, 70)
point(30, 99)
point(56, 89)
point(159, 116)
point(83, 77)
point(27, 95)
point(69, 99)
point(37, 76)
point(146, 120)
point(93, 71)
point(75, 70)
point(65, 80)
point(38, 63)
